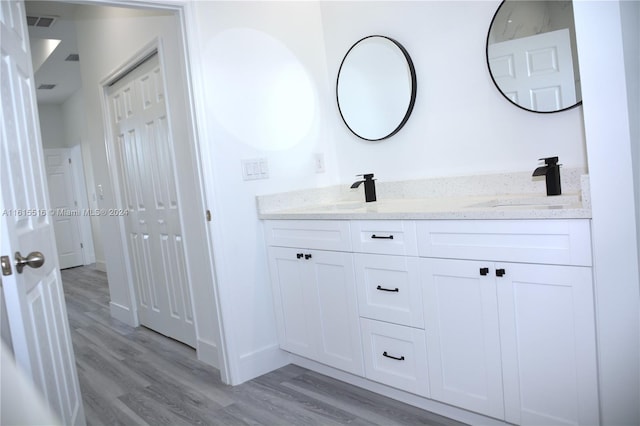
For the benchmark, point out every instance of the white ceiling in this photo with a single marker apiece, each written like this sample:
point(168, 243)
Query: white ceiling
point(55, 70)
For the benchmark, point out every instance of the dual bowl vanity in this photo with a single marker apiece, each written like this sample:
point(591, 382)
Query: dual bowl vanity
point(452, 301)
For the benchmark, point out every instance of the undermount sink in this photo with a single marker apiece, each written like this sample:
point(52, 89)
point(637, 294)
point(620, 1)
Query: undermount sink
point(552, 202)
point(340, 205)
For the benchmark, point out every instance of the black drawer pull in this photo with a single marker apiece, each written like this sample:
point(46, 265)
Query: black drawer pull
point(500, 272)
point(397, 290)
point(299, 255)
point(307, 256)
point(484, 271)
point(388, 237)
point(392, 357)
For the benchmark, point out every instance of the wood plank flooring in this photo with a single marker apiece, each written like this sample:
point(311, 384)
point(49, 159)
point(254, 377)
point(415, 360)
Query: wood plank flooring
point(134, 376)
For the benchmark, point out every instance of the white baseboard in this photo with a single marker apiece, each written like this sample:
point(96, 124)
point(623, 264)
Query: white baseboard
point(408, 398)
point(101, 265)
point(123, 313)
point(259, 362)
point(207, 352)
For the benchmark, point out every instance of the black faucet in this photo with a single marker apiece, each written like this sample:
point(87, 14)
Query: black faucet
point(369, 187)
point(551, 170)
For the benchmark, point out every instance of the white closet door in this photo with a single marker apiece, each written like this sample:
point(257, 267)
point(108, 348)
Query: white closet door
point(147, 180)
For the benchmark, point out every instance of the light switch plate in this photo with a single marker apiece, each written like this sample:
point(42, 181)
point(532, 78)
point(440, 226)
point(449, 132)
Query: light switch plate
point(255, 168)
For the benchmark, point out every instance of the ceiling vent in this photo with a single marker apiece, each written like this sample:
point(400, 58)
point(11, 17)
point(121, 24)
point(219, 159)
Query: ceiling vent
point(41, 21)
point(46, 86)
point(74, 57)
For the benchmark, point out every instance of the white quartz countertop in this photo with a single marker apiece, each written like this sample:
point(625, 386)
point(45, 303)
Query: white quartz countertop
point(499, 196)
point(513, 206)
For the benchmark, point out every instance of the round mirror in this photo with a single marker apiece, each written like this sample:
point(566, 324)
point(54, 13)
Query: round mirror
point(376, 88)
point(532, 55)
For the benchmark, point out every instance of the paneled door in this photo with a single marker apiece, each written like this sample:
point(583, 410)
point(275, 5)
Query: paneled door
point(31, 281)
point(536, 71)
point(463, 339)
point(65, 209)
point(147, 183)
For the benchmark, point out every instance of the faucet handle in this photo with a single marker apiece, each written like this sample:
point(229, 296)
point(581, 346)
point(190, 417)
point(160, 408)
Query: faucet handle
point(550, 161)
point(367, 176)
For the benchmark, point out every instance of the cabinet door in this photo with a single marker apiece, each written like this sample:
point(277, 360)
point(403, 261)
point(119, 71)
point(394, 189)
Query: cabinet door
point(293, 292)
point(463, 342)
point(335, 311)
point(548, 344)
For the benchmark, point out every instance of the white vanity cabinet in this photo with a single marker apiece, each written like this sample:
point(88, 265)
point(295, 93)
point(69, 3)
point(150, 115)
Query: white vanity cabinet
point(314, 291)
point(505, 338)
point(491, 316)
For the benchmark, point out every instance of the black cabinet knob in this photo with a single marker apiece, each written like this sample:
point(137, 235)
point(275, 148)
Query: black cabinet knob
point(500, 272)
point(484, 271)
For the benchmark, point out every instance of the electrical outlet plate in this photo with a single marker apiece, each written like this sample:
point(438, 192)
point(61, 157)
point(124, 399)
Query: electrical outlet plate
point(318, 160)
point(255, 168)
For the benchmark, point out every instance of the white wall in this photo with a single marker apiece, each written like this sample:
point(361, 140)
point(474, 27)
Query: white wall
point(461, 124)
point(266, 95)
point(75, 126)
point(52, 126)
point(608, 123)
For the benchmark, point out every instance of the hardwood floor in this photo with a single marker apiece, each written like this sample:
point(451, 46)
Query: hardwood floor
point(134, 376)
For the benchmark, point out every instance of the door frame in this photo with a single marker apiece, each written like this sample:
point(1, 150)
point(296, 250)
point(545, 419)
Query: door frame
point(194, 84)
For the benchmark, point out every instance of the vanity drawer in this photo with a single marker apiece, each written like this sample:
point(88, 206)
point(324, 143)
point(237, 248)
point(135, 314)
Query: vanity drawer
point(389, 289)
point(312, 234)
point(396, 356)
point(384, 237)
point(554, 242)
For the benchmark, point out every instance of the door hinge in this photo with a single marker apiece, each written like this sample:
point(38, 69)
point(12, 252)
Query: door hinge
point(81, 245)
point(69, 160)
point(208, 215)
point(5, 261)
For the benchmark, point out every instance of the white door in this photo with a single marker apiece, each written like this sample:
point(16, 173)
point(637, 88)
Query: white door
point(34, 299)
point(547, 333)
point(65, 209)
point(335, 309)
point(292, 293)
point(463, 339)
point(147, 179)
point(536, 71)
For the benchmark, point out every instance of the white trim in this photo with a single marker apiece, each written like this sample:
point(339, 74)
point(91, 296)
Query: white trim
point(124, 314)
point(230, 371)
point(101, 265)
point(208, 352)
point(261, 361)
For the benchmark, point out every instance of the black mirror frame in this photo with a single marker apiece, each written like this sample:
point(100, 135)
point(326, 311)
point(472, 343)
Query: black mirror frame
point(496, 84)
point(412, 100)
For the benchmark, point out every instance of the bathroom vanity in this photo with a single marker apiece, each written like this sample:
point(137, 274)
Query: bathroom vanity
point(483, 302)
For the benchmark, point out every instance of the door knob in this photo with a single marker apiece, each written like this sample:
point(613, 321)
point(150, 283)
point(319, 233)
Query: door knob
point(35, 259)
